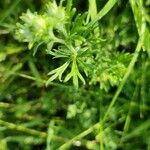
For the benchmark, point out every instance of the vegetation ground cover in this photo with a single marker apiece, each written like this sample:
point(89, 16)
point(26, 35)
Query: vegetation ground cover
point(75, 75)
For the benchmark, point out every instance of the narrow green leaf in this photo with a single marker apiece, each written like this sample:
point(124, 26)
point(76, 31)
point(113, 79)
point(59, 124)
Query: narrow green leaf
point(67, 78)
point(36, 48)
point(57, 72)
point(81, 78)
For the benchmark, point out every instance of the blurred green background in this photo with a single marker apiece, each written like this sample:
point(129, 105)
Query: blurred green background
point(58, 113)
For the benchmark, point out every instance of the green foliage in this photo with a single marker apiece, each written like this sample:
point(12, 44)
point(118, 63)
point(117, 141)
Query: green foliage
point(57, 25)
point(103, 47)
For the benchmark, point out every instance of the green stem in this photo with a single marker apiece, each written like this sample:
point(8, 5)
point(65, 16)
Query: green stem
point(101, 137)
point(130, 67)
point(129, 70)
point(41, 80)
point(92, 9)
point(33, 132)
point(143, 88)
point(93, 13)
point(79, 136)
point(139, 13)
point(50, 134)
point(137, 131)
point(5, 105)
point(104, 11)
point(23, 129)
point(131, 107)
point(109, 5)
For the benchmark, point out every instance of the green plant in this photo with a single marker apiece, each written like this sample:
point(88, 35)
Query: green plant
point(81, 52)
point(105, 47)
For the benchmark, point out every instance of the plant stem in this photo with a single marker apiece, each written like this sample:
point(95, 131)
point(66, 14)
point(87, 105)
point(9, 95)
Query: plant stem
point(130, 67)
point(92, 9)
point(129, 70)
point(130, 110)
point(79, 136)
point(33, 132)
point(137, 131)
point(102, 12)
point(106, 8)
point(101, 137)
point(93, 13)
point(5, 105)
point(23, 129)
